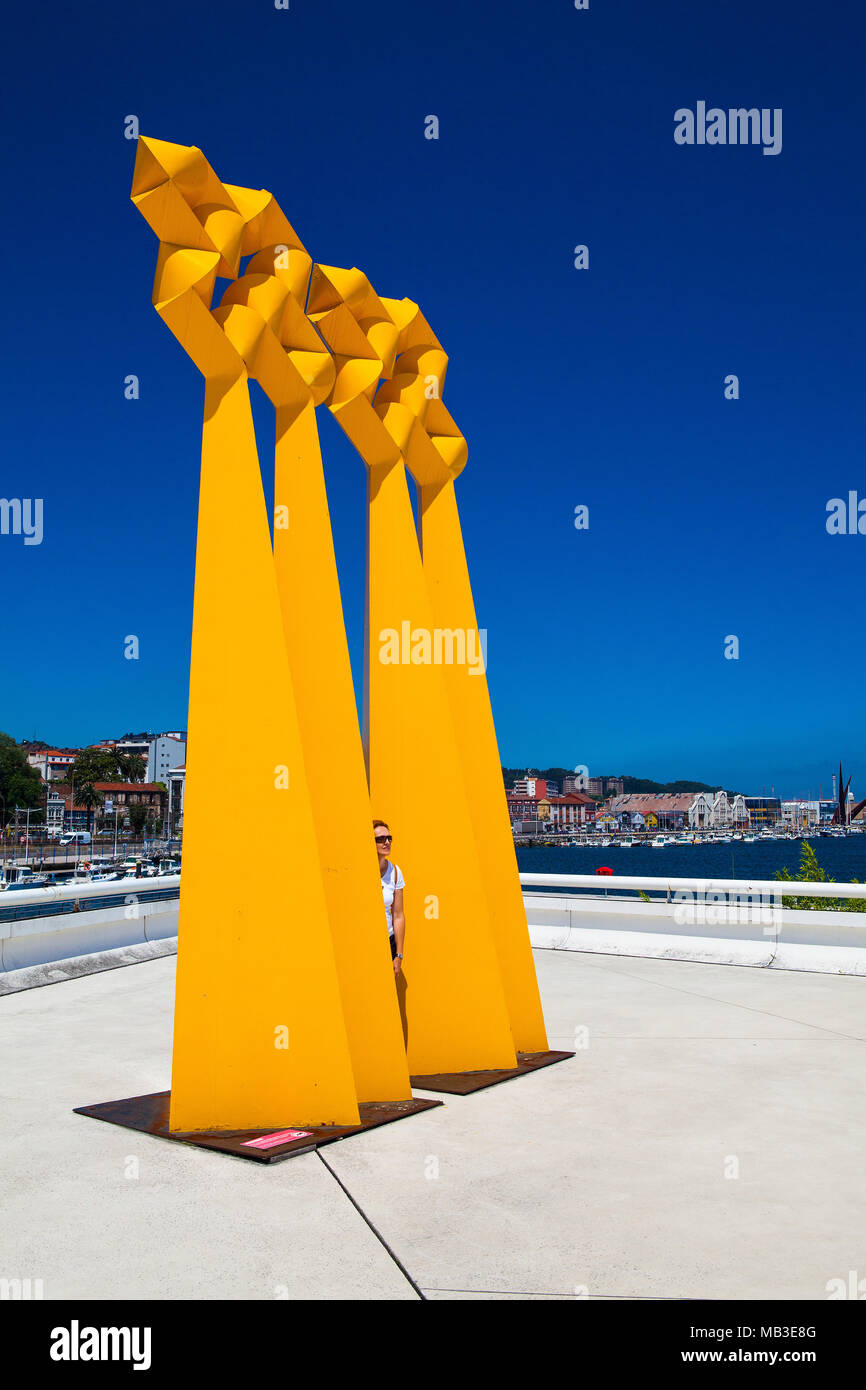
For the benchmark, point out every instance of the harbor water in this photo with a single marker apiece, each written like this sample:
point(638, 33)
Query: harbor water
point(842, 859)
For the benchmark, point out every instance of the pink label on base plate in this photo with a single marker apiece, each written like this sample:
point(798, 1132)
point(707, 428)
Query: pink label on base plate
point(281, 1136)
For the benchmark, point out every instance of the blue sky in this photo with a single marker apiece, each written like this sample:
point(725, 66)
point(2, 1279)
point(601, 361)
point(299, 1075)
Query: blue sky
point(602, 387)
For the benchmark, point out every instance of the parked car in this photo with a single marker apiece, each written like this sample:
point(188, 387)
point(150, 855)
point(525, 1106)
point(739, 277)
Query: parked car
point(76, 837)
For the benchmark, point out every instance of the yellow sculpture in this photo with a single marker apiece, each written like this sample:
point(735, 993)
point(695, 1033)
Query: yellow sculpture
point(285, 1009)
point(436, 455)
point(471, 996)
point(259, 1022)
point(262, 314)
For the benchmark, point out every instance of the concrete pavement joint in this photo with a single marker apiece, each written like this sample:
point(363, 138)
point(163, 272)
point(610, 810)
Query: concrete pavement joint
point(381, 1239)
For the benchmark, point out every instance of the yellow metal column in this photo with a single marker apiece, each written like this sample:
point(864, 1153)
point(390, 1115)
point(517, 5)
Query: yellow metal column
point(454, 1003)
point(450, 592)
point(455, 1007)
point(261, 314)
point(259, 1035)
point(410, 405)
point(259, 1038)
point(313, 623)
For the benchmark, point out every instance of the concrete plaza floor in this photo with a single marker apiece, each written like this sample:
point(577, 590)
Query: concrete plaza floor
point(707, 1141)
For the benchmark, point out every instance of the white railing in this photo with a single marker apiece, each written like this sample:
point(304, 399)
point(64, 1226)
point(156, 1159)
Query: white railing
point(85, 888)
point(68, 920)
point(766, 887)
point(727, 921)
point(724, 921)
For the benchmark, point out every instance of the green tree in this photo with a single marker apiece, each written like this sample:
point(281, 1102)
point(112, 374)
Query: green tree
point(108, 765)
point(20, 784)
point(131, 766)
point(810, 871)
point(87, 796)
point(94, 765)
point(138, 815)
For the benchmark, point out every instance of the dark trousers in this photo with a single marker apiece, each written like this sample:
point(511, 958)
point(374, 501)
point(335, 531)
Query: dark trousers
point(393, 947)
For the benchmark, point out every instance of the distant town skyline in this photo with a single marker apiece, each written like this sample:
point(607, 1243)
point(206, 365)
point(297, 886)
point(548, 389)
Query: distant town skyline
point(800, 787)
point(768, 789)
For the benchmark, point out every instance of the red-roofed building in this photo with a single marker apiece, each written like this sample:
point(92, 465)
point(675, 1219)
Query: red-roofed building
point(116, 797)
point(52, 764)
point(572, 812)
point(559, 813)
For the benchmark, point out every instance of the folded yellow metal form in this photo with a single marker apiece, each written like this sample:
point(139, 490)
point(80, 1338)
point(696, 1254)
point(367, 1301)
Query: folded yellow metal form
point(286, 1010)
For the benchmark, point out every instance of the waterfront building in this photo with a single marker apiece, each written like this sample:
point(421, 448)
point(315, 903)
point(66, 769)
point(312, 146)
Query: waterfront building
point(595, 786)
point(572, 812)
point(55, 809)
point(636, 810)
point(159, 752)
point(582, 782)
point(723, 812)
point(530, 786)
point(116, 797)
point(701, 811)
point(132, 743)
point(119, 796)
point(539, 809)
point(52, 764)
point(764, 810)
point(176, 786)
point(165, 752)
point(800, 815)
point(522, 806)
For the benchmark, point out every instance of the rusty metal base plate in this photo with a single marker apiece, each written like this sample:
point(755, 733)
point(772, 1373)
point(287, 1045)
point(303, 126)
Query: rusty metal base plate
point(463, 1083)
point(149, 1114)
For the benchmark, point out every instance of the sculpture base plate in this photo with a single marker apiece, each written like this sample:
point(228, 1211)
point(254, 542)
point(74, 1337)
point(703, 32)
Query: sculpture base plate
point(149, 1115)
point(463, 1083)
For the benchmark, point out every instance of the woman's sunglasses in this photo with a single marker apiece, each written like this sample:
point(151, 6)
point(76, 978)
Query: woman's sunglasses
point(383, 839)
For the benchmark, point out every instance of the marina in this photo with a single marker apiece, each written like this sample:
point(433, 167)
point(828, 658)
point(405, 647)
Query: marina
point(842, 856)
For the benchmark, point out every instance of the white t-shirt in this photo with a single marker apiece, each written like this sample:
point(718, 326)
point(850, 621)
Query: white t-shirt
point(392, 879)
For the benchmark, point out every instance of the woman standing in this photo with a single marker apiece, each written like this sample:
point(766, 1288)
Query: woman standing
point(392, 892)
